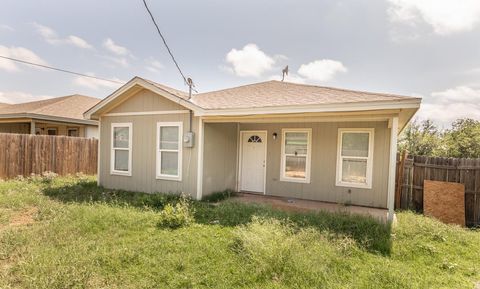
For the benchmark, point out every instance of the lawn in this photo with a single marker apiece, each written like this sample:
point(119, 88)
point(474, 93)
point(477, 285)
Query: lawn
point(68, 233)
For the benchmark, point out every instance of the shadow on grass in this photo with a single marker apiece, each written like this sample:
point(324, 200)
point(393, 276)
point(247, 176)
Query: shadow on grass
point(368, 232)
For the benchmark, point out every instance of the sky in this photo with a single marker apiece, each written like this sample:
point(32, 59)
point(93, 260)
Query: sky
point(427, 48)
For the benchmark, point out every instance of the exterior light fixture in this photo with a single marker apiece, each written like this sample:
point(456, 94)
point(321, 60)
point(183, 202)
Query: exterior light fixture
point(274, 135)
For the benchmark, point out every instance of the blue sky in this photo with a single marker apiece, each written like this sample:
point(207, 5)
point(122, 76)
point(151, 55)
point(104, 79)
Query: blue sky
point(428, 48)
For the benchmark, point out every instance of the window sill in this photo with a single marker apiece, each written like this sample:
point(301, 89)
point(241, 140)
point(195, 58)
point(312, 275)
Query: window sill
point(168, 178)
point(354, 185)
point(293, 180)
point(119, 173)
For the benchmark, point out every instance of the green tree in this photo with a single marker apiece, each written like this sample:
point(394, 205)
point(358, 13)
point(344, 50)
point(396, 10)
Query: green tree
point(421, 138)
point(463, 139)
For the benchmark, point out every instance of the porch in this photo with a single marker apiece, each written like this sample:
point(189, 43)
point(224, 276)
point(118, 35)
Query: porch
point(300, 205)
point(285, 159)
point(41, 127)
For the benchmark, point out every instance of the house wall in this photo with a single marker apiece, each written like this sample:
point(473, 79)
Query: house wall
point(322, 185)
point(62, 129)
point(23, 128)
point(91, 131)
point(220, 157)
point(144, 134)
point(146, 100)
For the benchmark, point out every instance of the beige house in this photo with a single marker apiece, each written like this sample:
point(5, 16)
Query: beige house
point(55, 116)
point(273, 138)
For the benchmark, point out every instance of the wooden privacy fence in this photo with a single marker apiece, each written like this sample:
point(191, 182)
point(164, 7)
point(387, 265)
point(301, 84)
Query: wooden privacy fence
point(23, 154)
point(413, 170)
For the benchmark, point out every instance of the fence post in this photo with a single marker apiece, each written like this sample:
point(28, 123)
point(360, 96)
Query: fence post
point(401, 172)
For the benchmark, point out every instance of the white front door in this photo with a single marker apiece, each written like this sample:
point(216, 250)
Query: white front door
point(253, 161)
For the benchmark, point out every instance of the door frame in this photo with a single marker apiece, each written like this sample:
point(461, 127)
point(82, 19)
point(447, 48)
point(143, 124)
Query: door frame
point(240, 157)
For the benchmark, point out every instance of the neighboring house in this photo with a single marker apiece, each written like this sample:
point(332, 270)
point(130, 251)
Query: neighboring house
point(273, 138)
point(55, 116)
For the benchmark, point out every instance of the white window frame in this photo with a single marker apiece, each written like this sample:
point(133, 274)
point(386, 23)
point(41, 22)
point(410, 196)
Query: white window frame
point(283, 160)
point(159, 175)
point(129, 149)
point(369, 158)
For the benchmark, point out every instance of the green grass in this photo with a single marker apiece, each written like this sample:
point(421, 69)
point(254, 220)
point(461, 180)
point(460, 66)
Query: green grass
point(83, 236)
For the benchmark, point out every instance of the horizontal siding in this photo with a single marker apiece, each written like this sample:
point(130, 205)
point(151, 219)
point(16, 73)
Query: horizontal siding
point(220, 157)
point(323, 164)
point(144, 135)
point(146, 100)
point(23, 128)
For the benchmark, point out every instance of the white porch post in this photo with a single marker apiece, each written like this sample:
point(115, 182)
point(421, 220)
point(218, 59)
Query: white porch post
point(32, 127)
point(392, 168)
point(200, 159)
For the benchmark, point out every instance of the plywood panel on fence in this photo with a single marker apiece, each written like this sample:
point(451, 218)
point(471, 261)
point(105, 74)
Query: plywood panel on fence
point(22, 154)
point(417, 169)
point(444, 201)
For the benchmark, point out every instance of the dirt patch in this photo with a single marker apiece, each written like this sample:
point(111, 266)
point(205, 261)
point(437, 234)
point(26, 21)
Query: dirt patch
point(21, 218)
point(24, 218)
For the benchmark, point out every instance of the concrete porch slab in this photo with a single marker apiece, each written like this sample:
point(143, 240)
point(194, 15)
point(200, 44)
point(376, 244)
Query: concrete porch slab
point(299, 205)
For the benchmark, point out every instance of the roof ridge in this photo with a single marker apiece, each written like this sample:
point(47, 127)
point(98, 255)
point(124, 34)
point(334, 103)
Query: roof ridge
point(229, 88)
point(345, 89)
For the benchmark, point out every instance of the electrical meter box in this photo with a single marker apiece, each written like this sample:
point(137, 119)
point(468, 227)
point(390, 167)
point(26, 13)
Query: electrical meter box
point(188, 139)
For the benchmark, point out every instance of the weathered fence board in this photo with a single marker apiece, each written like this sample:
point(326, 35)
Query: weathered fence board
point(413, 170)
point(23, 154)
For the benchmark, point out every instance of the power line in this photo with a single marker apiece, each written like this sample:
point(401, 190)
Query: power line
point(61, 70)
point(166, 45)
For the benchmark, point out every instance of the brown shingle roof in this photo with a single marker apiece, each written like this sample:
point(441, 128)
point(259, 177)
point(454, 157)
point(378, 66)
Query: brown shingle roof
point(276, 93)
point(173, 91)
point(71, 106)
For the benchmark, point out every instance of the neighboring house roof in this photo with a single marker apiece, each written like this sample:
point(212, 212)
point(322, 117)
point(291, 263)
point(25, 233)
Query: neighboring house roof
point(277, 93)
point(67, 108)
point(268, 97)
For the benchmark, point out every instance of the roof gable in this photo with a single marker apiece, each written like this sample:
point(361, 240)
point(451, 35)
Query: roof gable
point(132, 87)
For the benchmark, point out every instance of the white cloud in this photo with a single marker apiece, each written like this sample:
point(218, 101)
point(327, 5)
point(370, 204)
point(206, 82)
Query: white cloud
point(451, 104)
point(6, 28)
point(18, 52)
point(47, 33)
point(19, 97)
point(153, 65)
point(111, 46)
point(321, 70)
point(95, 84)
point(444, 16)
point(79, 42)
point(249, 61)
point(122, 61)
point(51, 37)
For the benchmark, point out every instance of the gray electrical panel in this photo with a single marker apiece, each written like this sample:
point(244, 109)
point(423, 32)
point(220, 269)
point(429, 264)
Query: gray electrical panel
point(188, 139)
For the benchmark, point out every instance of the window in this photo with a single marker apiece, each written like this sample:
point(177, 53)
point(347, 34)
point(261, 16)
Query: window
point(121, 158)
point(169, 150)
point(296, 155)
point(255, 138)
point(355, 158)
point(51, 131)
point(72, 132)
